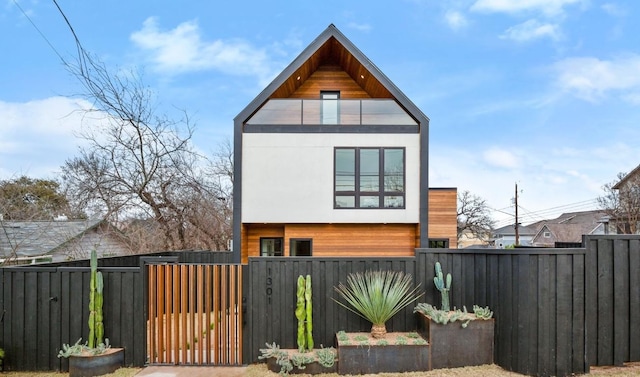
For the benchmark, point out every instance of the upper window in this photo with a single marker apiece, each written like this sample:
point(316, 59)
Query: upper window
point(329, 110)
point(369, 178)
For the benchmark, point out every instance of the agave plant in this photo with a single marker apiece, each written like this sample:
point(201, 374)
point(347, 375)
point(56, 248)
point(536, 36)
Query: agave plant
point(377, 296)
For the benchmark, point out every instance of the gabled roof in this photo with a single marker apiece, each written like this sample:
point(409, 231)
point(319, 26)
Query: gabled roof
point(568, 232)
point(332, 47)
point(34, 238)
point(624, 179)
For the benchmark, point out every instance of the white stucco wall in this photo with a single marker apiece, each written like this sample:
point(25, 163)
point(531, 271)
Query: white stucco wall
point(288, 178)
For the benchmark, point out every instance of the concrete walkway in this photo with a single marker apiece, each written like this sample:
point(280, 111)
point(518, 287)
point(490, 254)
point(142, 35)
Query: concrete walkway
point(191, 371)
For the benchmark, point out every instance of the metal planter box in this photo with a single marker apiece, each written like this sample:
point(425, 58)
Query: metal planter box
point(375, 358)
point(453, 346)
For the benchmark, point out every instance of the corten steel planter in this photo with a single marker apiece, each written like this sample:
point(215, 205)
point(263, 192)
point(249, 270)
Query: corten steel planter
point(312, 368)
point(357, 358)
point(96, 365)
point(453, 346)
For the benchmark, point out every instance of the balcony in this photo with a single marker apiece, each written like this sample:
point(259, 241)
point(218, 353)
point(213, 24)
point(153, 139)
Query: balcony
point(331, 112)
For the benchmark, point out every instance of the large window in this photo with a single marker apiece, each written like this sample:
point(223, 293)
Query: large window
point(369, 178)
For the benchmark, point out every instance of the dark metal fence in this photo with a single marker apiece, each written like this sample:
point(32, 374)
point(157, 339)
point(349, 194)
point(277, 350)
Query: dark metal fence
point(557, 310)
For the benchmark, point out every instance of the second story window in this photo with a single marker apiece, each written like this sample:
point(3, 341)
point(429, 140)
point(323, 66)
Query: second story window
point(369, 178)
point(329, 107)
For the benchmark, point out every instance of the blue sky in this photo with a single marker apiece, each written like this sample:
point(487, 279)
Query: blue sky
point(542, 93)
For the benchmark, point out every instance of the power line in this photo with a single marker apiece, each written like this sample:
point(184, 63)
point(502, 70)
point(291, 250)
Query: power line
point(40, 31)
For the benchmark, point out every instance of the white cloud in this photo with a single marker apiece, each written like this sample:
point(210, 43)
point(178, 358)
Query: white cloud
point(530, 30)
point(38, 136)
point(591, 79)
point(183, 49)
point(547, 7)
point(614, 10)
point(455, 20)
point(500, 158)
point(360, 27)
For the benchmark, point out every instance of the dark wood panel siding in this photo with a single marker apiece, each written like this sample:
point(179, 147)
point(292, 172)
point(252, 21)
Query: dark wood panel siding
point(46, 307)
point(537, 298)
point(272, 297)
point(613, 282)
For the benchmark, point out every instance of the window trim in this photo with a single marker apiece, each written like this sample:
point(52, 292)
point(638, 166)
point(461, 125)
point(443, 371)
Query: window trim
point(381, 193)
point(292, 240)
point(438, 240)
point(337, 105)
point(272, 238)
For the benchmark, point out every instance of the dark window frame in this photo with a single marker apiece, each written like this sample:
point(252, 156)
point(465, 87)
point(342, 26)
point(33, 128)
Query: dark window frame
point(381, 193)
point(292, 240)
point(272, 238)
point(438, 243)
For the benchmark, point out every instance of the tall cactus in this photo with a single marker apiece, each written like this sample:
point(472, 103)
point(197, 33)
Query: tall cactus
point(309, 319)
point(303, 313)
point(443, 287)
point(96, 286)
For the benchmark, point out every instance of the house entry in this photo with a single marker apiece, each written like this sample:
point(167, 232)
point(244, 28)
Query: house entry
point(194, 314)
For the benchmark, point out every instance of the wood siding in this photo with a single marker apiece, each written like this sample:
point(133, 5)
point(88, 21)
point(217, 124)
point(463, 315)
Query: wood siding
point(443, 206)
point(339, 240)
point(331, 78)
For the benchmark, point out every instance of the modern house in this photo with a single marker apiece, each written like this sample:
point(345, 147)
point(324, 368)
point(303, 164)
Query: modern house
point(331, 159)
point(55, 241)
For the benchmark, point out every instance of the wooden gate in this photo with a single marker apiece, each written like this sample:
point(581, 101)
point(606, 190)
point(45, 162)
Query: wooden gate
point(195, 314)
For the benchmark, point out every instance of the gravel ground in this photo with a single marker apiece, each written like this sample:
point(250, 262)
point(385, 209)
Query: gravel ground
point(632, 369)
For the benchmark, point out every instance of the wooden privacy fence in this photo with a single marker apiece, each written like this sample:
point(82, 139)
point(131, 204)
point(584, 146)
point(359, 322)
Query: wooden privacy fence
point(194, 314)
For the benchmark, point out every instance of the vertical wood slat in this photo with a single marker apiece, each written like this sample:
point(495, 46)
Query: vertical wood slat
point(195, 314)
point(184, 285)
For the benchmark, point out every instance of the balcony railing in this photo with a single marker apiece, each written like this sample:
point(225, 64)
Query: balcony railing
point(336, 112)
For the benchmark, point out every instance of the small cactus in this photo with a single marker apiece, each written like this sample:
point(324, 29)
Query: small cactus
point(442, 286)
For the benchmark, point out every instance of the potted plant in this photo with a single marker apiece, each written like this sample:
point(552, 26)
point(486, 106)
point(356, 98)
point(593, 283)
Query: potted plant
point(1, 359)
point(377, 296)
point(456, 337)
point(305, 359)
point(95, 357)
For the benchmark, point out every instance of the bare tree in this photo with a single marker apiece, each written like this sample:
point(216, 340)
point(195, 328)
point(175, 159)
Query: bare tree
point(621, 202)
point(473, 216)
point(138, 164)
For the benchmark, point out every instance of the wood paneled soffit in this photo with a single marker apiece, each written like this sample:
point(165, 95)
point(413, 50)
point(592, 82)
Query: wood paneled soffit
point(333, 54)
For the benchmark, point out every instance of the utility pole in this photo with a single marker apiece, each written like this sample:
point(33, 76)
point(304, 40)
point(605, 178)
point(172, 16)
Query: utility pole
point(517, 225)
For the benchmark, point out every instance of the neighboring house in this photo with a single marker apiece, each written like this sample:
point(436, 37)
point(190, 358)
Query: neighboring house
point(54, 241)
point(626, 218)
point(506, 236)
point(568, 229)
point(331, 159)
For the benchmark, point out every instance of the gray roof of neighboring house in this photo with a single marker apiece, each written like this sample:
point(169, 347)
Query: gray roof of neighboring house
point(523, 230)
point(568, 232)
point(33, 238)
